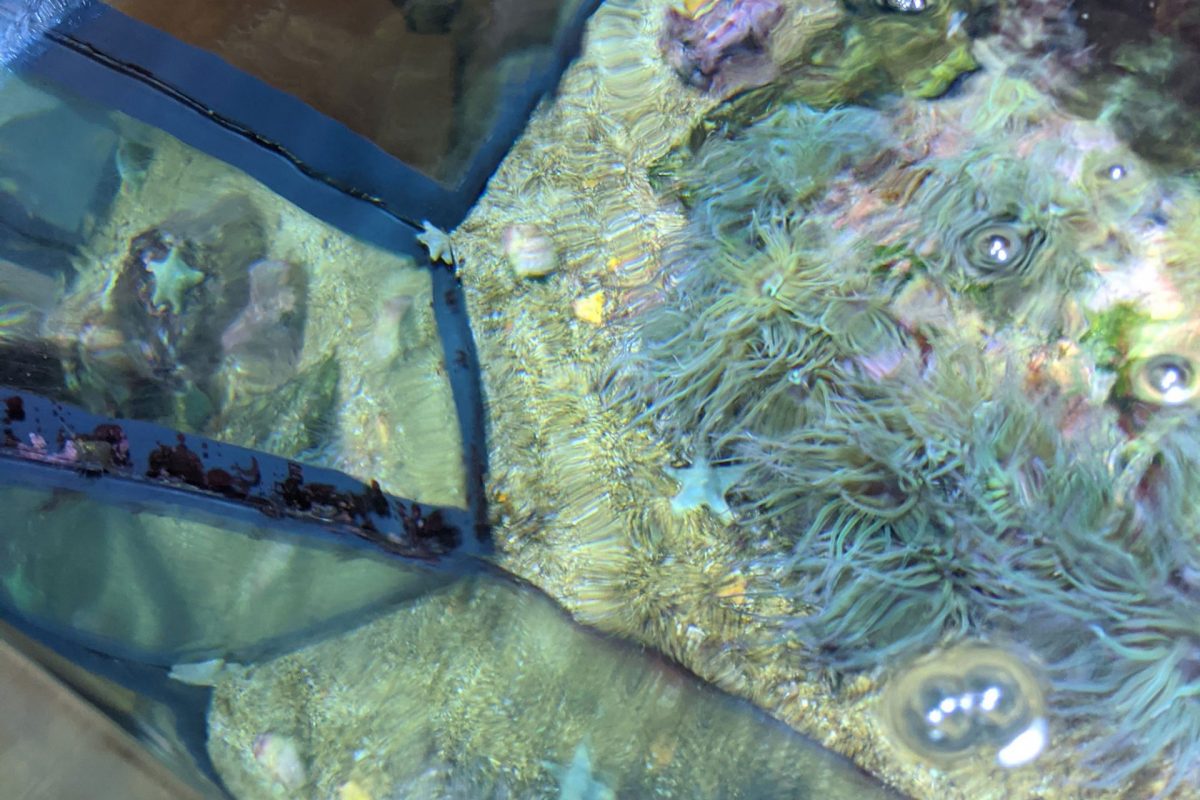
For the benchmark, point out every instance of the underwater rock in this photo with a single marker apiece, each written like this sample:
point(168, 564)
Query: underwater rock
point(295, 418)
point(133, 159)
point(395, 326)
point(830, 59)
point(151, 348)
point(723, 45)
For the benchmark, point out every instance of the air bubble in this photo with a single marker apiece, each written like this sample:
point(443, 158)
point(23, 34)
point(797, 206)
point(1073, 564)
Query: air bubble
point(904, 6)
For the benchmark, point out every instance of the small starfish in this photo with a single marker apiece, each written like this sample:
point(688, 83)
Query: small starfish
point(702, 484)
point(172, 279)
point(577, 781)
point(437, 242)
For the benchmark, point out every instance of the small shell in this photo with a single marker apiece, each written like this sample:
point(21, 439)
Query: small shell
point(280, 758)
point(529, 251)
point(199, 673)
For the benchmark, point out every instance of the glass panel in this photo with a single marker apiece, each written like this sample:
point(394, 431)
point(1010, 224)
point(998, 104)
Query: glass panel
point(527, 705)
point(845, 351)
point(140, 278)
point(418, 698)
point(161, 586)
point(423, 79)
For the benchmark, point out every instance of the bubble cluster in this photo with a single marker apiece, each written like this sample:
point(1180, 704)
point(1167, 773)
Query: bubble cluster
point(966, 701)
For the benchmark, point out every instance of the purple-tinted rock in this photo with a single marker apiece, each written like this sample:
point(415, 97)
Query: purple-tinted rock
point(723, 48)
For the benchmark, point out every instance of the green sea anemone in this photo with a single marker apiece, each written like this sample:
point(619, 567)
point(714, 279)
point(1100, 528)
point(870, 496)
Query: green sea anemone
point(1122, 648)
point(858, 333)
point(782, 162)
point(765, 297)
point(1002, 231)
point(759, 323)
point(905, 502)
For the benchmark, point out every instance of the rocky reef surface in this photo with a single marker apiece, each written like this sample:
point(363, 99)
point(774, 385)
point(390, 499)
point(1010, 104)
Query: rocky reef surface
point(880, 347)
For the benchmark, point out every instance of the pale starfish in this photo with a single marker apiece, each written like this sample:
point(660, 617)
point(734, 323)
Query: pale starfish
point(173, 277)
point(577, 781)
point(703, 484)
point(437, 242)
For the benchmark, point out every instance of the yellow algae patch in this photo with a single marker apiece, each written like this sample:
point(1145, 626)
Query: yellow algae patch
point(734, 590)
point(352, 791)
point(697, 8)
point(590, 308)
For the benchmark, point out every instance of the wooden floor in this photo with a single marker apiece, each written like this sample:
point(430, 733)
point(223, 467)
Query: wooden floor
point(55, 746)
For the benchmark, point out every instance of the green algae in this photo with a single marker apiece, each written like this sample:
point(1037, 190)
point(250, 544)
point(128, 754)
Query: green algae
point(1110, 332)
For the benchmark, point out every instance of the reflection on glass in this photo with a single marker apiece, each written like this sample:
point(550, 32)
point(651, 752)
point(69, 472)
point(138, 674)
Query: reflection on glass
point(140, 278)
point(161, 586)
point(423, 79)
point(337, 674)
point(484, 689)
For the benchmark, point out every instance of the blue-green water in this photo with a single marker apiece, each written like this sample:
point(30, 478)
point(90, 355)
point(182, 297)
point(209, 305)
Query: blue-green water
point(839, 364)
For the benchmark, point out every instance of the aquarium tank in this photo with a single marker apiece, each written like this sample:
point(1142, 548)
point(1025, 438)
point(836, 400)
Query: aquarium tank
point(596, 399)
